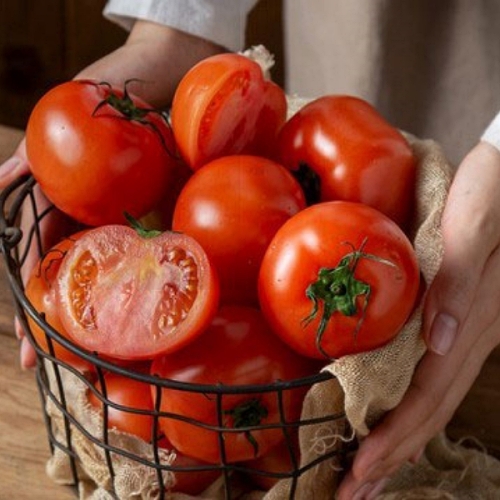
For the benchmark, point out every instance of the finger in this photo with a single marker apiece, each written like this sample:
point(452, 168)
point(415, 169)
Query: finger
point(415, 458)
point(18, 328)
point(471, 232)
point(15, 166)
point(351, 489)
point(425, 410)
point(27, 354)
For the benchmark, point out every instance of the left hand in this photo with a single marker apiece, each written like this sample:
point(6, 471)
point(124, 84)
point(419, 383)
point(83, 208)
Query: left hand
point(461, 327)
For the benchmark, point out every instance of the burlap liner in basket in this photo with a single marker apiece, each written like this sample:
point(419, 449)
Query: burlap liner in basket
point(367, 385)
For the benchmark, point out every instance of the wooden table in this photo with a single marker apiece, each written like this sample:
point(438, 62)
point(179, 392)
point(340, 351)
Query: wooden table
point(24, 447)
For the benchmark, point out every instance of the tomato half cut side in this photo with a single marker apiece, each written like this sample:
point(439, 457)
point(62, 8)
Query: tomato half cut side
point(132, 297)
point(220, 106)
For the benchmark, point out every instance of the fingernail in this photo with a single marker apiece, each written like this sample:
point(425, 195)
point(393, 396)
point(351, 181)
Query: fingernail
point(415, 458)
point(443, 333)
point(27, 355)
point(9, 166)
point(360, 493)
point(377, 487)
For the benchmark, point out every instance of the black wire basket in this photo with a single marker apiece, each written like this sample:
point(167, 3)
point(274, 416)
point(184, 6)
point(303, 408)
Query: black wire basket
point(64, 425)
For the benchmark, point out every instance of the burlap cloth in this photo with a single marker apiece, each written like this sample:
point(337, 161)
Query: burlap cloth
point(366, 386)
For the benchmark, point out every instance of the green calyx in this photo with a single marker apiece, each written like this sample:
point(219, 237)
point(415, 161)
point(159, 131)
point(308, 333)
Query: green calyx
point(337, 290)
point(248, 414)
point(139, 228)
point(124, 105)
point(128, 110)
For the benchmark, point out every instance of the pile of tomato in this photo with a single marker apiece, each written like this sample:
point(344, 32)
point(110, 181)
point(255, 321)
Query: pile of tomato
point(279, 244)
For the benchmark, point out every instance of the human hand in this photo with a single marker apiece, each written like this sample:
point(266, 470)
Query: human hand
point(15, 166)
point(461, 327)
point(52, 226)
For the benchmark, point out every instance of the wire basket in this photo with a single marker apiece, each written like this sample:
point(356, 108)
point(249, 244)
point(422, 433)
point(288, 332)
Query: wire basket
point(65, 426)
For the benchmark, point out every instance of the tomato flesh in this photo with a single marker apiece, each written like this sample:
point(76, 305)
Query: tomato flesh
point(130, 297)
point(224, 106)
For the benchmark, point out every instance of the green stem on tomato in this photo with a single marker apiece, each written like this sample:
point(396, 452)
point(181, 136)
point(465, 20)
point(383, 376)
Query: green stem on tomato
point(130, 111)
point(337, 289)
point(139, 228)
point(248, 414)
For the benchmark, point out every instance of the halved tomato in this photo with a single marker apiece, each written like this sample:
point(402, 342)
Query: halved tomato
point(132, 297)
point(225, 106)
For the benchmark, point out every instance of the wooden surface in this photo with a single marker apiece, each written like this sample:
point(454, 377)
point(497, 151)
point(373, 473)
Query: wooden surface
point(24, 448)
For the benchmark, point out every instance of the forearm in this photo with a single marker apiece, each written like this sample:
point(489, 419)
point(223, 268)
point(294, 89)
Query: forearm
point(156, 55)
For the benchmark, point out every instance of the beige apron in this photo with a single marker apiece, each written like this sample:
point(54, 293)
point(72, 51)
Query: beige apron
point(432, 67)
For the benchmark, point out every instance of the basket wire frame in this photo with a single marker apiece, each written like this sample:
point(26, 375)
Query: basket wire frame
point(15, 245)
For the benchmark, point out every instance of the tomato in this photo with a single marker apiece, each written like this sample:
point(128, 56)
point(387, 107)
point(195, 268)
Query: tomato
point(224, 106)
point(237, 349)
point(161, 216)
point(133, 297)
point(338, 278)
point(190, 475)
point(129, 404)
point(97, 153)
point(40, 292)
point(282, 461)
point(354, 154)
point(233, 206)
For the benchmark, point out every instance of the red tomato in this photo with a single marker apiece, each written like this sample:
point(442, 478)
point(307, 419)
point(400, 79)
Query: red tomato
point(356, 154)
point(338, 278)
point(233, 206)
point(40, 291)
point(237, 349)
point(282, 461)
point(122, 396)
point(128, 296)
point(224, 106)
point(97, 162)
point(161, 216)
point(191, 476)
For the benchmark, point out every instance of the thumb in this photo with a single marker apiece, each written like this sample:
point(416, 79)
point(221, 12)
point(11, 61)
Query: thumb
point(449, 300)
point(471, 232)
point(15, 166)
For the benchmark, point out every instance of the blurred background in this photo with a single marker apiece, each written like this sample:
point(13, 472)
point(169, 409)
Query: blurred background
point(46, 42)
